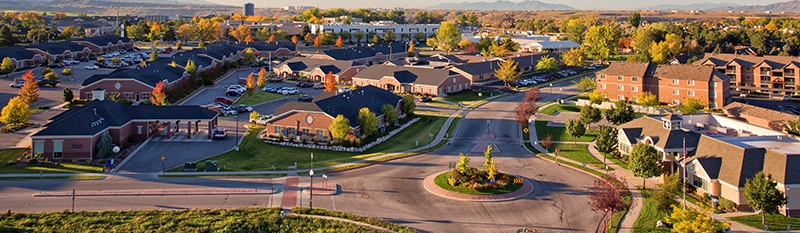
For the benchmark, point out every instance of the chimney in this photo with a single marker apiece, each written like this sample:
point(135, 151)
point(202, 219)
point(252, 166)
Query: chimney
point(99, 94)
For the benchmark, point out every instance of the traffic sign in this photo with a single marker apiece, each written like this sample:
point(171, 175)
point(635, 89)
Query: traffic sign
point(525, 130)
point(558, 149)
point(163, 158)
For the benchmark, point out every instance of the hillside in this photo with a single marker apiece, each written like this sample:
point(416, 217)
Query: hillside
point(790, 6)
point(685, 7)
point(502, 5)
point(128, 7)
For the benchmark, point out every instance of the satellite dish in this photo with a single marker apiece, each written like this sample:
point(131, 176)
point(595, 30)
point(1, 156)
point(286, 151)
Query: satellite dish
point(115, 149)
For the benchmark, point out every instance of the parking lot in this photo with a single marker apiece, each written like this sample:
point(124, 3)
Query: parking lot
point(540, 77)
point(50, 96)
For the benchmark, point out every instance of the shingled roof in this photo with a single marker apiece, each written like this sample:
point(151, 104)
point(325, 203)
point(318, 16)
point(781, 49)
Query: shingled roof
point(689, 72)
point(309, 64)
point(739, 109)
point(104, 40)
point(736, 164)
point(649, 126)
point(638, 69)
point(58, 48)
point(96, 116)
point(16, 53)
point(347, 104)
point(149, 75)
point(405, 74)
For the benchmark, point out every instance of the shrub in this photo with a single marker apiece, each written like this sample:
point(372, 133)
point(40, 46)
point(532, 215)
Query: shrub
point(33, 162)
point(11, 162)
point(726, 205)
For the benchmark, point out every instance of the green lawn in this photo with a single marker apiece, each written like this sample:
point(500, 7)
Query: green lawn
point(442, 104)
point(452, 128)
point(469, 96)
point(649, 215)
point(776, 222)
point(579, 152)
point(407, 139)
point(441, 181)
point(259, 97)
point(552, 109)
point(560, 133)
point(616, 218)
point(195, 220)
point(11, 155)
point(578, 166)
point(616, 161)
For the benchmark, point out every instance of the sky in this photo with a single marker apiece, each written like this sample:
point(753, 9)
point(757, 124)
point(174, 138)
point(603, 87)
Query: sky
point(580, 4)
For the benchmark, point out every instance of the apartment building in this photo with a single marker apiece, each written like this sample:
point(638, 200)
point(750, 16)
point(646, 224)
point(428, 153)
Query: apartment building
point(775, 74)
point(380, 28)
point(672, 84)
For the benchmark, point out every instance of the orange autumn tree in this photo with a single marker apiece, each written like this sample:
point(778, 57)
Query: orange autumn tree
point(318, 41)
point(271, 38)
point(411, 49)
point(251, 81)
point(158, 97)
point(294, 39)
point(339, 42)
point(30, 91)
point(248, 39)
point(330, 82)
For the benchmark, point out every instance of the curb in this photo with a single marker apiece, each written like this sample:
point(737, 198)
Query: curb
point(526, 189)
point(131, 155)
point(167, 192)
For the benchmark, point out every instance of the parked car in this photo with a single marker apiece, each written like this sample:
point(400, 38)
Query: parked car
point(239, 87)
point(269, 88)
point(275, 79)
point(17, 84)
point(70, 61)
point(344, 89)
point(223, 100)
point(305, 98)
point(787, 98)
point(425, 99)
point(228, 111)
point(304, 84)
point(261, 120)
point(220, 133)
point(289, 91)
point(91, 67)
point(319, 86)
point(233, 93)
point(43, 82)
point(242, 108)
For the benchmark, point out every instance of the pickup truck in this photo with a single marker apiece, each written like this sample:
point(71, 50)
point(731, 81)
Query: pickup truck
point(43, 82)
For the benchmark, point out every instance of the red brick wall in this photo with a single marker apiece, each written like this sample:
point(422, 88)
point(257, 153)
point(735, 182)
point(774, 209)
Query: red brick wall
point(321, 121)
point(125, 86)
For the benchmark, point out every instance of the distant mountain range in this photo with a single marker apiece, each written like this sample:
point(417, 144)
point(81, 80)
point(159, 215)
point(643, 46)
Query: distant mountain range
point(695, 6)
point(790, 6)
point(502, 5)
point(193, 2)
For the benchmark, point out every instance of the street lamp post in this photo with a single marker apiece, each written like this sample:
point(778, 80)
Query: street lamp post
point(551, 88)
point(480, 95)
point(163, 170)
point(236, 143)
point(311, 187)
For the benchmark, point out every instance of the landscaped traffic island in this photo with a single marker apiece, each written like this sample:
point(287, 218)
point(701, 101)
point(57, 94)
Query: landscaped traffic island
point(469, 183)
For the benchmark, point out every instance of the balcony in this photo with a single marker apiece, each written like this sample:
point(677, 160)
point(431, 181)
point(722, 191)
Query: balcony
point(788, 73)
point(730, 71)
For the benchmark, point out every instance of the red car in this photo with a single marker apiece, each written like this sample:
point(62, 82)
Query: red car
point(223, 100)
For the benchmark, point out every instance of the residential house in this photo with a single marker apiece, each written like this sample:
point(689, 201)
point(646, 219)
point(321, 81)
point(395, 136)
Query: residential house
point(59, 51)
point(774, 74)
point(21, 57)
point(74, 134)
point(665, 133)
point(311, 121)
point(404, 79)
point(318, 69)
point(672, 84)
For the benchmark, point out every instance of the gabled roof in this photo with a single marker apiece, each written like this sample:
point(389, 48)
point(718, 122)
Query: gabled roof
point(347, 104)
point(649, 126)
point(738, 109)
point(58, 48)
point(478, 67)
point(357, 53)
point(96, 116)
point(16, 53)
point(149, 75)
point(737, 164)
point(405, 74)
point(532, 60)
point(267, 46)
point(104, 40)
point(309, 64)
point(638, 69)
point(689, 72)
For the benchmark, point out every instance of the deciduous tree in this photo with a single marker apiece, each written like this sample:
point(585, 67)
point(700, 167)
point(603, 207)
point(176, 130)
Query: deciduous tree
point(15, 112)
point(271, 38)
point(532, 95)
point(659, 52)
point(488, 154)
point(590, 115)
point(411, 52)
point(318, 41)
point(601, 42)
point(575, 129)
point(240, 33)
point(67, 95)
point(606, 194)
point(524, 110)
point(158, 97)
point(644, 162)
point(585, 84)
point(65, 72)
point(408, 104)
point(295, 39)
point(597, 97)
point(620, 113)
point(690, 220)
point(547, 64)
point(190, 67)
point(251, 81)
point(389, 113)
point(507, 71)
point(339, 42)
point(339, 128)
point(262, 77)
point(606, 139)
point(153, 56)
point(692, 105)
point(447, 37)
point(358, 35)
point(330, 82)
point(762, 194)
point(368, 121)
point(30, 91)
point(647, 99)
point(7, 66)
point(574, 57)
point(547, 142)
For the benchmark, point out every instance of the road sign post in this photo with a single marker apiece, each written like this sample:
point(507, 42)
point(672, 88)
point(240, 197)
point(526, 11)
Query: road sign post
point(557, 150)
point(163, 168)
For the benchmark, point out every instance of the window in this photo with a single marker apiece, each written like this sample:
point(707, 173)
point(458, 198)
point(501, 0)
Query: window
point(320, 135)
point(278, 130)
point(712, 84)
point(712, 105)
point(635, 99)
point(145, 95)
point(305, 132)
point(38, 148)
point(676, 92)
point(58, 149)
point(88, 95)
point(635, 79)
point(712, 94)
point(690, 82)
point(676, 82)
point(602, 76)
point(138, 129)
point(635, 89)
point(676, 102)
point(620, 88)
point(747, 68)
point(620, 78)
point(747, 77)
point(621, 97)
point(603, 86)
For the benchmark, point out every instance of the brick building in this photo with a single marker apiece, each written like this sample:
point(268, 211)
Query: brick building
point(775, 74)
point(311, 120)
point(74, 134)
point(317, 69)
point(21, 57)
point(672, 84)
point(367, 55)
point(105, 44)
point(402, 79)
point(59, 51)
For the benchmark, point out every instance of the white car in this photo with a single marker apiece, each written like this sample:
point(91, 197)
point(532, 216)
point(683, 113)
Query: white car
point(289, 91)
point(344, 89)
point(91, 67)
point(237, 87)
point(261, 120)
